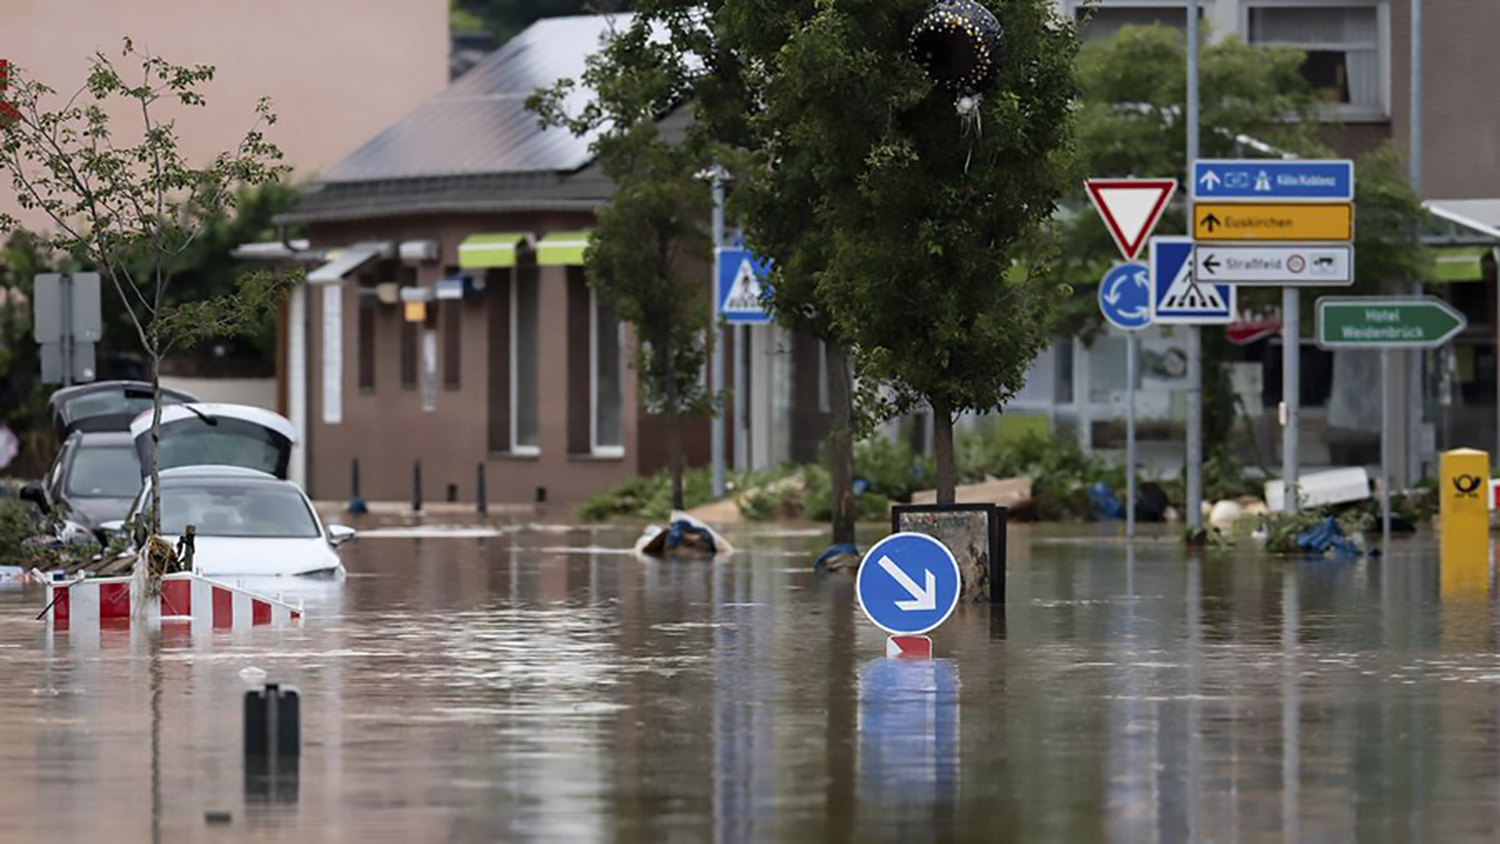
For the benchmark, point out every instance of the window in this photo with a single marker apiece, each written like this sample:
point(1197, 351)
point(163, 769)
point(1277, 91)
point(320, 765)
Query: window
point(1342, 45)
point(409, 353)
point(497, 337)
point(105, 472)
point(606, 392)
point(369, 309)
point(524, 314)
point(1100, 23)
point(453, 323)
point(258, 510)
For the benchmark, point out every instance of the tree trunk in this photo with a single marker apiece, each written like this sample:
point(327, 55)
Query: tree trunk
point(154, 461)
point(942, 449)
point(674, 439)
point(841, 443)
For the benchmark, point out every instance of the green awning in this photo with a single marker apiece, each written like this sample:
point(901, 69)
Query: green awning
point(562, 249)
point(1452, 264)
point(483, 251)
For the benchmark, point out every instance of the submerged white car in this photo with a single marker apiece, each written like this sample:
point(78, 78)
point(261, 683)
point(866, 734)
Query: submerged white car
point(248, 523)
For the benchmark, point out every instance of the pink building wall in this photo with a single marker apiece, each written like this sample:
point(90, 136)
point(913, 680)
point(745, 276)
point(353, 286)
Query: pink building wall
point(337, 71)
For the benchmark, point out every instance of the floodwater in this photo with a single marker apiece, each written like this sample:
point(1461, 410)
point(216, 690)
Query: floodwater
point(545, 686)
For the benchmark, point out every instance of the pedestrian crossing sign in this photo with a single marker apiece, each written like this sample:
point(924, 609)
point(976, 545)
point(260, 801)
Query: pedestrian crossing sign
point(742, 287)
point(1178, 298)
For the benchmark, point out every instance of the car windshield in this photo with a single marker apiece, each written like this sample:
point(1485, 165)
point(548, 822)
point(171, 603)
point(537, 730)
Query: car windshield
point(105, 472)
point(225, 509)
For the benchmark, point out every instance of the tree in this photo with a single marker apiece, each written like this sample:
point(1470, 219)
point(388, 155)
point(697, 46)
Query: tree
point(135, 210)
point(777, 197)
point(648, 249)
point(916, 220)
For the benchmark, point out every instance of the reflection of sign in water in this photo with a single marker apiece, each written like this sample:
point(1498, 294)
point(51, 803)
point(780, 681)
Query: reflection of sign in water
point(908, 744)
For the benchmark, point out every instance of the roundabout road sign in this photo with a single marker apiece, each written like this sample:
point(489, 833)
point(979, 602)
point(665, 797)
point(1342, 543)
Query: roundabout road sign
point(1125, 296)
point(908, 583)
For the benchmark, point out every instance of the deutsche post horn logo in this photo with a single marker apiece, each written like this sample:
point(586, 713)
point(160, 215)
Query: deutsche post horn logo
point(1467, 486)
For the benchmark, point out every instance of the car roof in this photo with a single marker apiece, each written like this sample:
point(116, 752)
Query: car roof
point(112, 438)
point(216, 471)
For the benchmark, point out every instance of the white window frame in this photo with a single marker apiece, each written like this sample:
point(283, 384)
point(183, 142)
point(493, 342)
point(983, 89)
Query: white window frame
point(597, 450)
point(1344, 111)
point(515, 367)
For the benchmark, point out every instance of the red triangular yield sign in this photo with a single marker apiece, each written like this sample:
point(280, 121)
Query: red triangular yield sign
point(1130, 208)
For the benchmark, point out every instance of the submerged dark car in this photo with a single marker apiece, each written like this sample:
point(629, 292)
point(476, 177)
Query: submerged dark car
point(97, 473)
point(96, 477)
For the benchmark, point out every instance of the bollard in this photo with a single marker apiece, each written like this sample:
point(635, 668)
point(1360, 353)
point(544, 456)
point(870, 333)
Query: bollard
point(416, 486)
point(541, 495)
point(482, 497)
point(452, 493)
point(273, 722)
point(1464, 509)
point(357, 504)
point(273, 743)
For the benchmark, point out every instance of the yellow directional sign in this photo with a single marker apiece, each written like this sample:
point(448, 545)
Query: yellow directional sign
point(1283, 222)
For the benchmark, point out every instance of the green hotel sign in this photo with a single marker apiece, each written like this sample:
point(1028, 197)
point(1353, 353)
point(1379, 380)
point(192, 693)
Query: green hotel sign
point(1374, 322)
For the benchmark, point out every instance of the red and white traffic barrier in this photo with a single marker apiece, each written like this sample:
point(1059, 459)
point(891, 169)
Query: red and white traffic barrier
point(908, 647)
point(90, 603)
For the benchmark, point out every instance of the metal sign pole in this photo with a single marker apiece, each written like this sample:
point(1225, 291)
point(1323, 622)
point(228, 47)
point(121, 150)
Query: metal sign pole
point(1385, 447)
point(1194, 502)
point(741, 381)
point(1130, 457)
point(716, 335)
point(1291, 391)
point(66, 286)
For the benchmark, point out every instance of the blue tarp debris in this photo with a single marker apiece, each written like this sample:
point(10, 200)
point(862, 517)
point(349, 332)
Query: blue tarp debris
point(1103, 503)
point(1326, 536)
point(842, 552)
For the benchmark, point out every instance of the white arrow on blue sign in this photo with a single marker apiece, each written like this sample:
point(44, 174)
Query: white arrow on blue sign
point(1178, 298)
point(742, 286)
point(908, 583)
point(1266, 180)
point(1125, 296)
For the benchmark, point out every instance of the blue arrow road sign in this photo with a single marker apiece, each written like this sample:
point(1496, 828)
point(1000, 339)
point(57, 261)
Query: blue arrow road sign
point(908, 583)
point(1252, 180)
point(1177, 297)
point(742, 280)
point(1125, 296)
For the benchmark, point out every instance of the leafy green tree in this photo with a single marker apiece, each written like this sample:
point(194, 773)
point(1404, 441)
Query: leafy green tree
point(133, 209)
point(911, 224)
point(648, 249)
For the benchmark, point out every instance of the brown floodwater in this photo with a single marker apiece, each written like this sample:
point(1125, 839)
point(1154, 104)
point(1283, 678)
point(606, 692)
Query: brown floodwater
point(544, 685)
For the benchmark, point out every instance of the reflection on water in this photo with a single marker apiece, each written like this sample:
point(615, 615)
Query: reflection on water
point(544, 686)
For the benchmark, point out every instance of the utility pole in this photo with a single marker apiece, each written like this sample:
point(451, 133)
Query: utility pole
point(716, 365)
point(1415, 394)
point(1194, 503)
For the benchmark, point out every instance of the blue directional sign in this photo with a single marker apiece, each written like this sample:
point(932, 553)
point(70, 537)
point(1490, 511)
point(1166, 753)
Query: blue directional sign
point(1125, 296)
point(908, 583)
point(1268, 180)
point(1177, 296)
point(742, 283)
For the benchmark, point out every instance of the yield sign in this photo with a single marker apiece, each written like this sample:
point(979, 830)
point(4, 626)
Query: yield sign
point(1130, 208)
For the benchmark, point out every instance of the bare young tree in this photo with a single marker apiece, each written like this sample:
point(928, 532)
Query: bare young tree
point(131, 206)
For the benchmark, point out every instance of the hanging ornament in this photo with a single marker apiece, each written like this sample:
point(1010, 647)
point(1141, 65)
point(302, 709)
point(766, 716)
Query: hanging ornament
point(959, 42)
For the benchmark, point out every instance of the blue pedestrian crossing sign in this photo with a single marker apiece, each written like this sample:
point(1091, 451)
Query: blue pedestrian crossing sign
point(908, 583)
point(1125, 296)
point(742, 287)
point(1177, 297)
